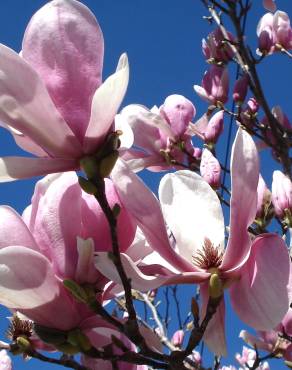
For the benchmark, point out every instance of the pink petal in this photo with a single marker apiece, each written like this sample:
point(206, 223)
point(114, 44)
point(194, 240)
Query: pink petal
point(14, 168)
point(192, 211)
point(95, 225)
point(214, 335)
point(145, 209)
point(64, 43)
point(105, 104)
point(13, 230)
point(135, 116)
point(260, 297)
point(243, 204)
point(27, 279)
point(139, 281)
point(54, 232)
point(26, 143)
point(27, 107)
point(203, 94)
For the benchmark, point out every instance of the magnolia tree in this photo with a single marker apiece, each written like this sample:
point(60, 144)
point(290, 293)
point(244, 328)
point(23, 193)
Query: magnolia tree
point(83, 270)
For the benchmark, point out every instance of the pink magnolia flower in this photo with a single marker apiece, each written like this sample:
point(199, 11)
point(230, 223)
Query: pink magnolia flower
point(215, 86)
point(52, 97)
point(247, 359)
point(215, 49)
point(264, 199)
point(208, 130)
point(158, 133)
point(5, 360)
point(274, 32)
point(192, 211)
point(46, 246)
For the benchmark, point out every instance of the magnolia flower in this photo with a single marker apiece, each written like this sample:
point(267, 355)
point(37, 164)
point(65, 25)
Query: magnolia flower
point(215, 86)
point(247, 359)
point(274, 32)
point(45, 246)
point(52, 97)
point(158, 133)
point(256, 272)
point(215, 49)
point(209, 131)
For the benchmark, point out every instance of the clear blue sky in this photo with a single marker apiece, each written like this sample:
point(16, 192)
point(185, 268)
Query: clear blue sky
point(163, 42)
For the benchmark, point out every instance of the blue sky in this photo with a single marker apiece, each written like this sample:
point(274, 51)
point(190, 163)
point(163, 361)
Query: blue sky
point(163, 42)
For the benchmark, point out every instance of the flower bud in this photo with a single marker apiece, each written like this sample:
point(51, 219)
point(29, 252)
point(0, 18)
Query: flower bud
point(178, 338)
point(281, 194)
point(269, 5)
point(210, 169)
point(214, 128)
point(240, 89)
point(215, 86)
point(264, 199)
point(178, 112)
point(265, 33)
point(282, 29)
point(216, 49)
point(253, 105)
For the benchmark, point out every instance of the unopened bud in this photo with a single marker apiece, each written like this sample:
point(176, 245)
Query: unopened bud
point(214, 128)
point(178, 338)
point(240, 89)
point(210, 169)
point(281, 194)
point(264, 199)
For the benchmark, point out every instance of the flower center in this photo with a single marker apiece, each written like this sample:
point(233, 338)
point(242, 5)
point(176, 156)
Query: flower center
point(209, 257)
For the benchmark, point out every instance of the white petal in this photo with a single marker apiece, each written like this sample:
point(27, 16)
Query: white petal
point(105, 104)
point(192, 211)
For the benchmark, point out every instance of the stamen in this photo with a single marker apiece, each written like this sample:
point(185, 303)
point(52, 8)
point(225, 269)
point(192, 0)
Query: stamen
point(19, 328)
point(208, 257)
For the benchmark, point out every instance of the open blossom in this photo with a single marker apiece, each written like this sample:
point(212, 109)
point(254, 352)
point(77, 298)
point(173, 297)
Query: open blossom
point(193, 213)
point(159, 133)
point(247, 359)
point(44, 247)
point(52, 97)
